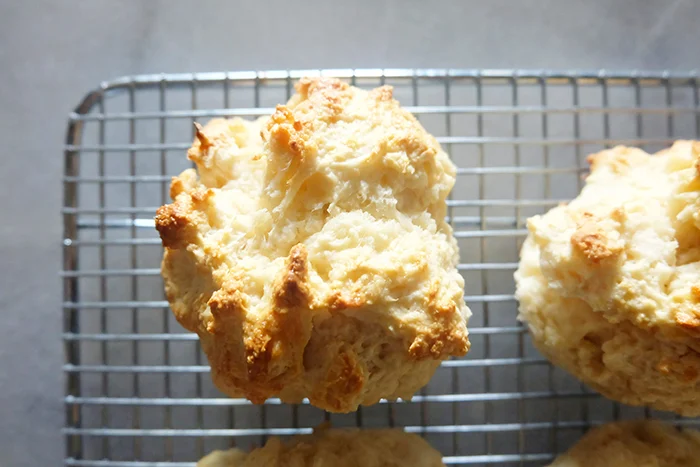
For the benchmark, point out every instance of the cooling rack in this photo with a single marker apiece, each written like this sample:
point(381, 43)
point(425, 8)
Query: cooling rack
point(138, 393)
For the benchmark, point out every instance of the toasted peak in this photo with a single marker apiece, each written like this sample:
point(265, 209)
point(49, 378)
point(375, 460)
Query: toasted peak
point(204, 142)
point(293, 290)
point(284, 131)
point(309, 86)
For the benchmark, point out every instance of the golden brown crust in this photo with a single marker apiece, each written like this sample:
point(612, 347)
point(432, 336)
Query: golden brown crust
point(695, 291)
point(284, 332)
point(285, 132)
point(204, 143)
point(383, 93)
point(438, 340)
point(689, 322)
point(173, 225)
point(310, 252)
point(590, 240)
point(340, 300)
point(618, 160)
point(293, 290)
point(326, 95)
point(226, 304)
point(344, 377)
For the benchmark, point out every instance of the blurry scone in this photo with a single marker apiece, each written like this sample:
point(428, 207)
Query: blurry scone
point(642, 443)
point(315, 261)
point(334, 448)
point(610, 283)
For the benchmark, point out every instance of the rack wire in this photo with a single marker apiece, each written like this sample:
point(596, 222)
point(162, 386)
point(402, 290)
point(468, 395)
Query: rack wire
point(137, 389)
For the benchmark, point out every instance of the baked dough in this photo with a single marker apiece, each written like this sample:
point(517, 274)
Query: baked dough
point(334, 448)
point(642, 443)
point(310, 253)
point(610, 283)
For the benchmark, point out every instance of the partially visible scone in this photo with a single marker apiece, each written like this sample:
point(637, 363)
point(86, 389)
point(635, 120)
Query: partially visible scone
point(642, 443)
point(610, 283)
point(310, 253)
point(334, 448)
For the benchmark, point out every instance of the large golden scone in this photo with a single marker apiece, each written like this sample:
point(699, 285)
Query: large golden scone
point(315, 261)
point(642, 443)
point(610, 283)
point(334, 448)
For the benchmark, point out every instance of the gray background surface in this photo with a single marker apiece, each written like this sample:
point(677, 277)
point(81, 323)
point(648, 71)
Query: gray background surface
point(51, 53)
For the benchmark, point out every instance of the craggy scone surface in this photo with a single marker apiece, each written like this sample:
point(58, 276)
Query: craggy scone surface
point(642, 443)
point(310, 253)
point(610, 283)
point(334, 448)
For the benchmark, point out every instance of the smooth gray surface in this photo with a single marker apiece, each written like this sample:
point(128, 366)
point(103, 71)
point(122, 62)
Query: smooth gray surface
point(51, 53)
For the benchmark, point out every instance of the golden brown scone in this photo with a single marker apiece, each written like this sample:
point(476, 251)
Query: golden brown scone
point(610, 283)
point(641, 443)
point(315, 261)
point(334, 448)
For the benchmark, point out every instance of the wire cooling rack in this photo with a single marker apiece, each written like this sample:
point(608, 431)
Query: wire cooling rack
point(138, 393)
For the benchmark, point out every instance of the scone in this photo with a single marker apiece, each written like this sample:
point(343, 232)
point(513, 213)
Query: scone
point(642, 443)
point(310, 253)
point(610, 283)
point(334, 448)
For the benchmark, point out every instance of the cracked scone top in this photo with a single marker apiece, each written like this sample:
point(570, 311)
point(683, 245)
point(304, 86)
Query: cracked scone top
point(636, 443)
point(610, 283)
point(329, 447)
point(310, 253)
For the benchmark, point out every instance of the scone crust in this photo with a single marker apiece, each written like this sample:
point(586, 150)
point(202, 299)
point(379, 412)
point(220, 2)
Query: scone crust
point(609, 284)
point(329, 447)
point(637, 443)
point(310, 253)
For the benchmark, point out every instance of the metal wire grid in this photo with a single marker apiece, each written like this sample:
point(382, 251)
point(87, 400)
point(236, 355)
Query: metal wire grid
point(137, 389)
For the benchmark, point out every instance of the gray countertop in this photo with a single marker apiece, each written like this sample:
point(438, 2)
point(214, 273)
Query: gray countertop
point(52, 53)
